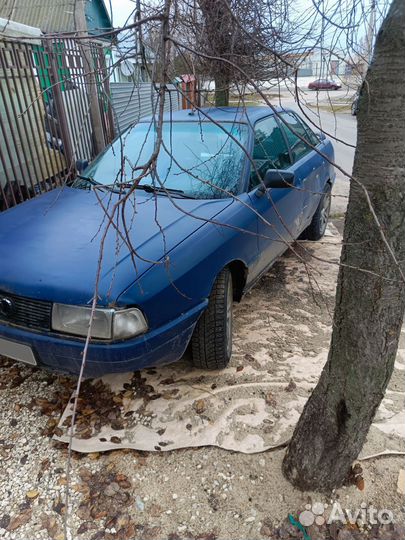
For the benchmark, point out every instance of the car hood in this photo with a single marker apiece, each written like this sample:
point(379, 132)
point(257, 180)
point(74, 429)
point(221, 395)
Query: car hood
point(50, 245)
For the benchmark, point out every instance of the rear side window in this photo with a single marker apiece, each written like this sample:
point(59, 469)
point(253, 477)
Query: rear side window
point(270, 149)
point(293, 125)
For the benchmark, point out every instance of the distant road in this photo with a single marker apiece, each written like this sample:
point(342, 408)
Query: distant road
point(340, 125)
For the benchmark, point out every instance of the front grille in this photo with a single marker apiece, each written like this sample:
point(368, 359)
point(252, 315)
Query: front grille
point(34, 314)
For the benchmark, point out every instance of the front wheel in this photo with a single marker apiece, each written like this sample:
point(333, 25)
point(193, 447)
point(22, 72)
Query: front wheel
point(211, 343)
point(316, 229)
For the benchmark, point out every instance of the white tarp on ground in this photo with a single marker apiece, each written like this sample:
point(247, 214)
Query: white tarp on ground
point(281, 338)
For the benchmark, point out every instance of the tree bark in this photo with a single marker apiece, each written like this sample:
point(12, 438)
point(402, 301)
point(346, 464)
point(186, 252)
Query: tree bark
point(221, 91)
point(369, 310)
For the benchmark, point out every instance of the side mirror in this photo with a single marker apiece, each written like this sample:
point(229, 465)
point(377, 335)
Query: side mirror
point(322, 136)
point(276, 179)
point(81, 165)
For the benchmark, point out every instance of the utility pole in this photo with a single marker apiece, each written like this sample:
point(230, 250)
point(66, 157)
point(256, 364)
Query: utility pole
point(89, 75)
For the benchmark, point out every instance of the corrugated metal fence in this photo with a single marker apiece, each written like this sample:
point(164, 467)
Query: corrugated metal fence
point(130, 102)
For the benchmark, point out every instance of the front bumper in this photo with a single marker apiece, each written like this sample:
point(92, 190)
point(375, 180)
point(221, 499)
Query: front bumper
point(59, 353)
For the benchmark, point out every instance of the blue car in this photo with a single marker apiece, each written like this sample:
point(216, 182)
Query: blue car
point(232, 190)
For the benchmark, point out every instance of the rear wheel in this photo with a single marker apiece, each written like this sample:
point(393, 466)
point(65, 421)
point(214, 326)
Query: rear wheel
point(316, 229)
point(211, 343)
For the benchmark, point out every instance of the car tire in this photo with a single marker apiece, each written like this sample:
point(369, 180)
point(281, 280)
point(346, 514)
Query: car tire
point(316, 229)
point(211, 343)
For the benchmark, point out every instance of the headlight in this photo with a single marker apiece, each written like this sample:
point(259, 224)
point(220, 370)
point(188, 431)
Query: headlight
point(106, 324)
point(128, 323)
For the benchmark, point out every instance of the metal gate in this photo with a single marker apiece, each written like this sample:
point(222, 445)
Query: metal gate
point(45, 124)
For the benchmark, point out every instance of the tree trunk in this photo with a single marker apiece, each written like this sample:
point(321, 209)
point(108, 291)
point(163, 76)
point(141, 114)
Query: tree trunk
point(221, 91)
point(369, 309)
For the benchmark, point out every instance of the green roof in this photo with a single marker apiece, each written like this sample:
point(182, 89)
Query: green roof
point(55, 15)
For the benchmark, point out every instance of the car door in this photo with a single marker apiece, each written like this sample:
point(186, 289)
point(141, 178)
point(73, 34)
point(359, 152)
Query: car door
point(278, 209)
point(308, 165)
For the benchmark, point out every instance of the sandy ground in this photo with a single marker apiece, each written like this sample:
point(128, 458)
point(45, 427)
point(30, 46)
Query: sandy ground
point(205, 492)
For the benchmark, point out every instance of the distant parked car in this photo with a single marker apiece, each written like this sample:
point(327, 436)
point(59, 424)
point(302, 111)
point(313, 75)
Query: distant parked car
point(324, 84)
point(197, 241)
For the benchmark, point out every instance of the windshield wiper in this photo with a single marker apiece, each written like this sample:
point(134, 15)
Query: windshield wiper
point(149, 188)
point(84, 182)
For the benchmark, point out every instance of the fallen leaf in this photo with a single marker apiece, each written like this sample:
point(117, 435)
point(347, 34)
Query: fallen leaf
point(45, 464)
point(124, 483)
point(117, 425)
point(87, 411)
point(128, 532)
point(170, 380)
point(97, 513)
point(4, 521)
point(357, 468)
point(83, 511)
point(50, 524)
point(59, 507)
point(270, 400)
point(83, 527)
point(360, 483)
point(122, 521)
point(17, 521)
point(99, 535)
point(291, 386)
point(200, 406)
point(81, 488)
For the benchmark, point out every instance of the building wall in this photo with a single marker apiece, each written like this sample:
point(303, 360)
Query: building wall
point(133, 102)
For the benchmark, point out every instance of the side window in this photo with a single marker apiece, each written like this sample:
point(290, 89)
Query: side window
point(270, 149)
point(312, 137)
point(291, 126)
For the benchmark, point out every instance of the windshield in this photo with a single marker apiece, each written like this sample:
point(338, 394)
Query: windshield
point(197, 159)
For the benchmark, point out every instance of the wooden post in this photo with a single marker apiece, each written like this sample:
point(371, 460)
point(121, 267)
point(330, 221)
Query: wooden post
point(89, 75)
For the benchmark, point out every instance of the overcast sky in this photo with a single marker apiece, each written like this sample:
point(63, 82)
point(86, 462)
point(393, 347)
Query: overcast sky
point(121, 10)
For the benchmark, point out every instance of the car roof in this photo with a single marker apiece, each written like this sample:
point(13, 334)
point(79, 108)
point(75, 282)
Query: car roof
point(247, 115)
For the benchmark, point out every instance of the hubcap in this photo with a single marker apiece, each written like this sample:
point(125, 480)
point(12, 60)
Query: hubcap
point(229, 302)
